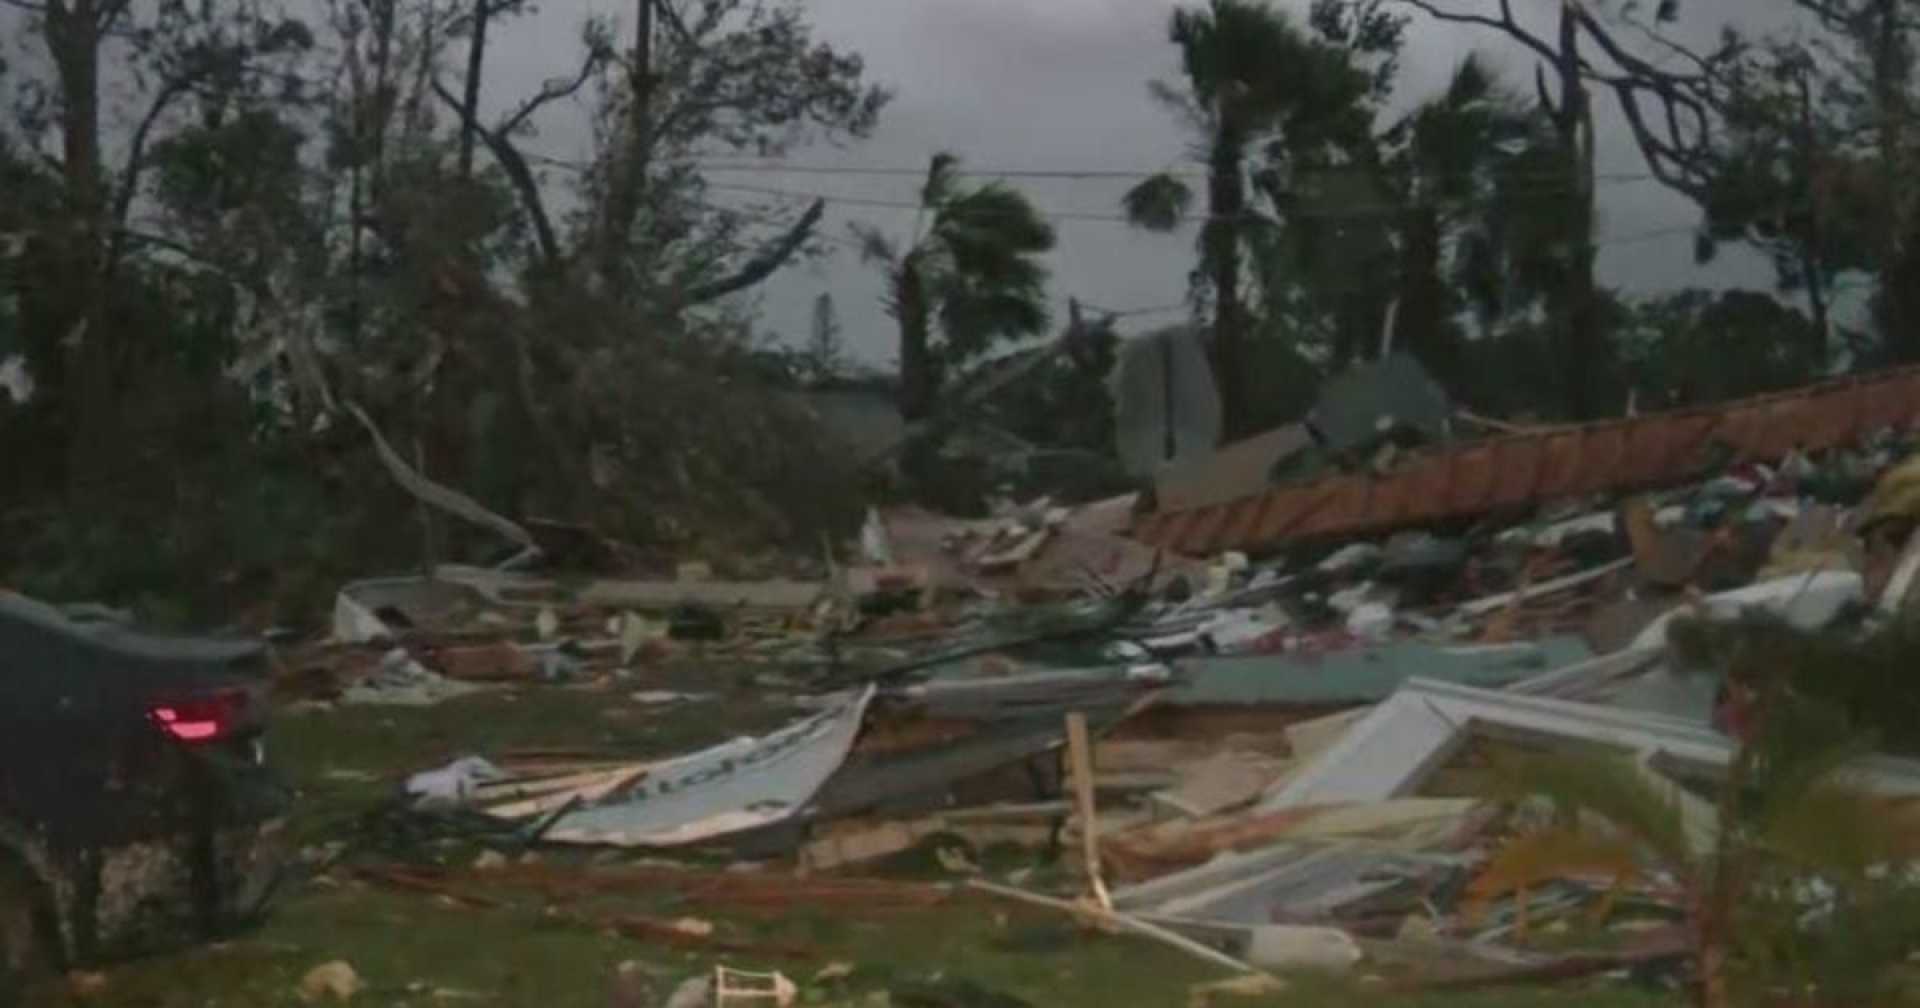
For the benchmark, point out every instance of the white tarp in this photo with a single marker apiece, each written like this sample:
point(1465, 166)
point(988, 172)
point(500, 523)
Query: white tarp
point(740, 785)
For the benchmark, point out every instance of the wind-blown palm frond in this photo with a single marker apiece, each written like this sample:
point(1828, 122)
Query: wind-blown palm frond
point(973, 317)
point(1472, 82)
point(1250, 74)
point(874, 246)
point(1230, 50)
point(974, 269)
point(943, 173)
point(1546, 855)
point(1197, 118)
point(1837, 830)
point(1806, 883)
point(1159, 203)
point(1609, 787)
point(991, 221)
point(1462, 237)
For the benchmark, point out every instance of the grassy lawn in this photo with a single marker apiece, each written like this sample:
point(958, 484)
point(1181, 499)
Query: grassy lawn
point(418, 949)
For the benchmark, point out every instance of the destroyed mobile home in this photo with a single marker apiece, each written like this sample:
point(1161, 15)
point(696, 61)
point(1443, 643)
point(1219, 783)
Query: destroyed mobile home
point(1257, 725)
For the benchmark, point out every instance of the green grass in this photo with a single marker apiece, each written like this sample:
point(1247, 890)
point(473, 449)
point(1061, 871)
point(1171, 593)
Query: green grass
point(405, 947)
point(413, 949)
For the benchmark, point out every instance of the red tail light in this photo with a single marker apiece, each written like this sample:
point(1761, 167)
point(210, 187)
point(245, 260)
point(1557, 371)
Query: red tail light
point(202, 719)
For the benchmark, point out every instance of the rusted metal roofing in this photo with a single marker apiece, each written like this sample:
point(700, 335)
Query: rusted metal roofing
point(1520, 471)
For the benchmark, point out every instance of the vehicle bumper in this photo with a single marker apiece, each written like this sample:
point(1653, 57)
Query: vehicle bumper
point(210, 876)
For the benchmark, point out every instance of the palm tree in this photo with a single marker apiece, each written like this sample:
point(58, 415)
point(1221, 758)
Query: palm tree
point(1249, 73)
point(1455, 152)
point(973, 273)
point(1748, 871)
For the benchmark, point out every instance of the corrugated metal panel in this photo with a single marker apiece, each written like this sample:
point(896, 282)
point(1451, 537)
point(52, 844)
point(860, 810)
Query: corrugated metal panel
point(1524, 470)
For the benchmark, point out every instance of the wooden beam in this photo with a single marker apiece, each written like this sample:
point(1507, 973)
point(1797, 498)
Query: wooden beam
point(1080, 758)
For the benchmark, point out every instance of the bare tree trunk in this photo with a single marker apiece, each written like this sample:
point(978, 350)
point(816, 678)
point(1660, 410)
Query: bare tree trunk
point(628, 171)
point(1813, 271)
point(1899, 307)
point(1584, 342)
point(1227, 208)
point(84, 388)
point(384, 94)
point(470, 101)
point(916, 336)
point(1420, 324)
point(1585, 338)
point(356, 215)
point(73, 41)
point(1574, 307)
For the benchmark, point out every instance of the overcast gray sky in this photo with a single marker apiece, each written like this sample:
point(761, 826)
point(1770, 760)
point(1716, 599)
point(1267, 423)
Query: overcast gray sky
point(1060, 85)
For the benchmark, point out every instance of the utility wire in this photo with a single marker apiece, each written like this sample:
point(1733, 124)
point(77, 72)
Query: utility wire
point(884, 204)
point(783, 167)
point(1341, 212)
point(1345, 211)
point(776, 167)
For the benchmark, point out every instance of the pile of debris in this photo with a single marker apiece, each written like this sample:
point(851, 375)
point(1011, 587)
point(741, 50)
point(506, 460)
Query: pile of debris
point(1266, 755)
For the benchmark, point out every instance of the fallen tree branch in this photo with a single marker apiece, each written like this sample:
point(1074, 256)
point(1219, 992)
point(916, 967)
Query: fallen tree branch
point(763, 265)
point(524, 182)
point(451, 501)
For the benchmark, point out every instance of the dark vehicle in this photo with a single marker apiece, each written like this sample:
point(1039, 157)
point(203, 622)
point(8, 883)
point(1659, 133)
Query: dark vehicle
point(136, 810)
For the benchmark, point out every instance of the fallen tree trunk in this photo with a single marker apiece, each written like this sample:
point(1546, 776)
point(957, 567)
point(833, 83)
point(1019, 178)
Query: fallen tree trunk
point(433, 494)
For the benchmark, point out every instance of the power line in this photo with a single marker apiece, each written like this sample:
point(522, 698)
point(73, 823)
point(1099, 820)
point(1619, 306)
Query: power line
point(779, 167)
point(883, 204)
point(784, 168)
point(1349, 210)
point(1336, 213)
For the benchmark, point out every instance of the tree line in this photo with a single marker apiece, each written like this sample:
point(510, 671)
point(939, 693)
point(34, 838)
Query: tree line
point(1463, 231)
point(224, 226)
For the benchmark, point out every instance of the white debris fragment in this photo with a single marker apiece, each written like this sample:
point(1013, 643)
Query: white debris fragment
point(1287, 946)
point(334, 981)
point(453, 784)
point(1350, 556)
point(1371, 621)
point(354, 623)
point(655, 698)
point(401, 681)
